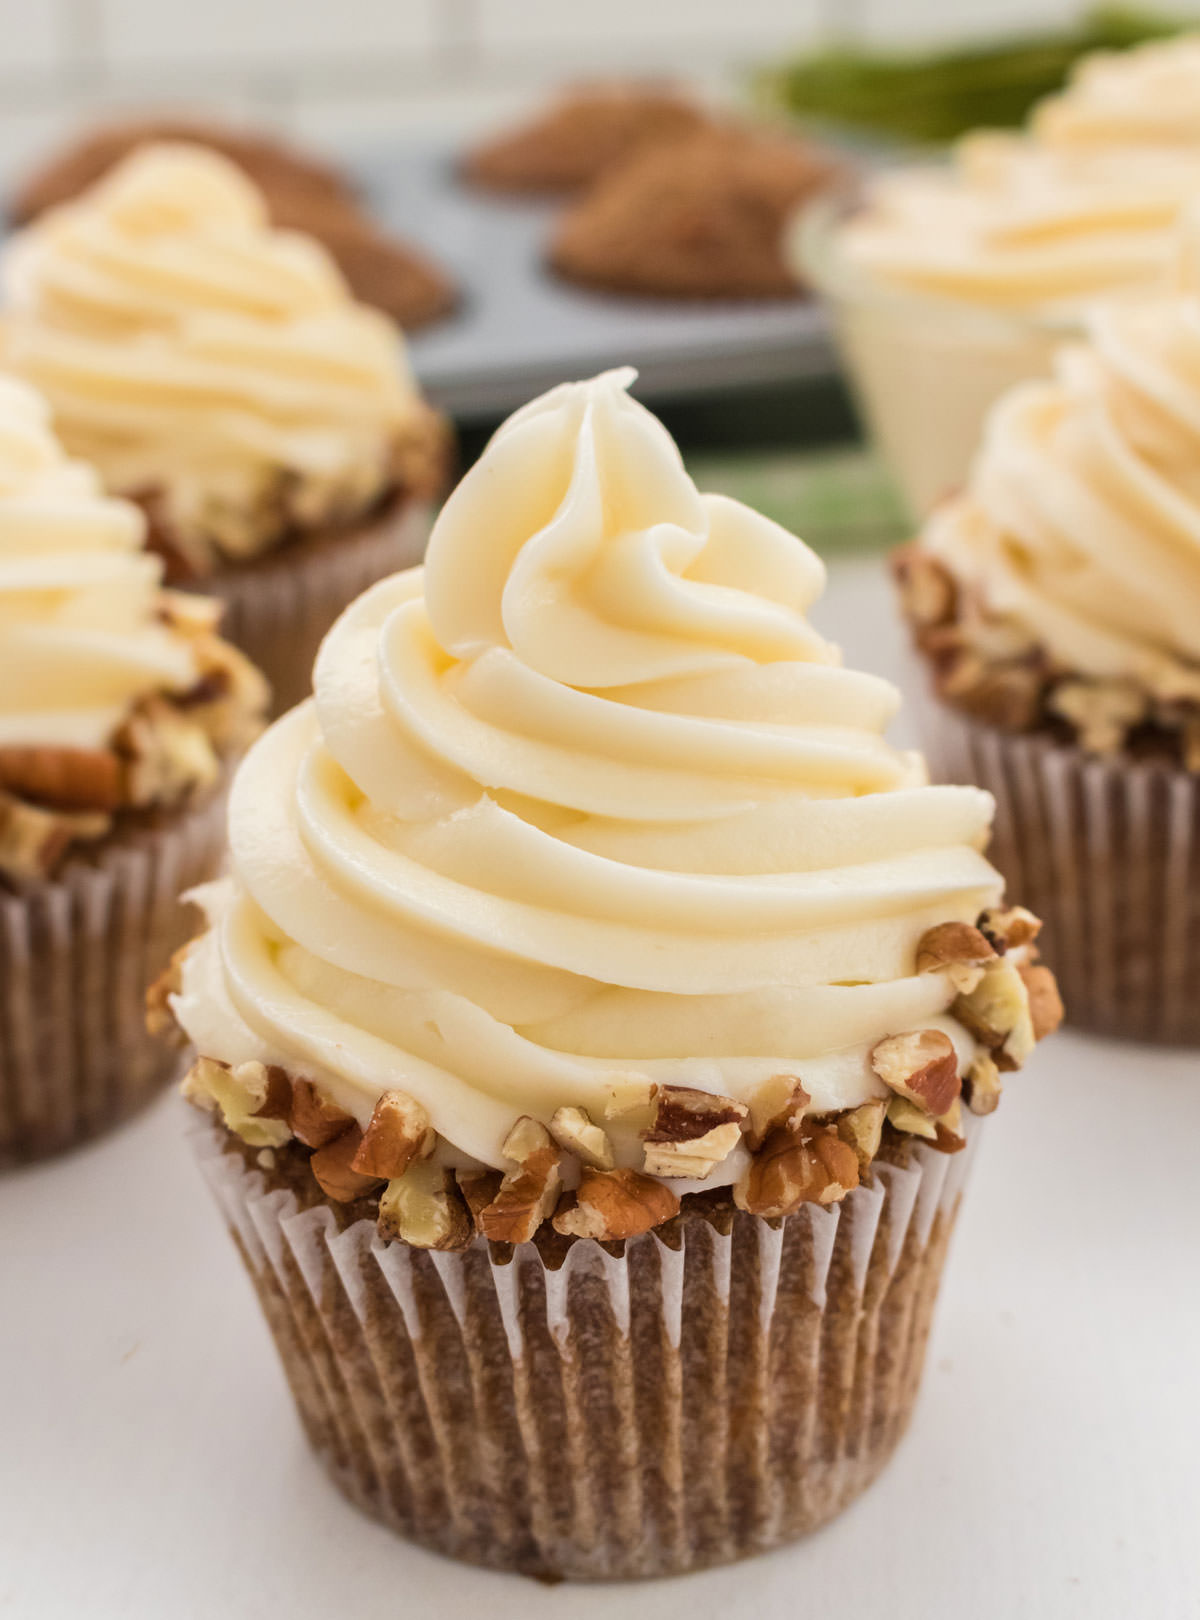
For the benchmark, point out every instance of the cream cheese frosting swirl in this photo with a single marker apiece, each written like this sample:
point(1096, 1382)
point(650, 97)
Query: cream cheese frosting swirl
point(585, 800)
point(1083, 201)
point(1082, 519)
point(193, 353)
point(81, 639)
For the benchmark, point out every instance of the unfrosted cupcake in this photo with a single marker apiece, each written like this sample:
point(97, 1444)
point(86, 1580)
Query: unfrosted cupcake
point(593, 1022)
point(1058, 605)
point(218, 372)
point(120, 710)
point(951, 283)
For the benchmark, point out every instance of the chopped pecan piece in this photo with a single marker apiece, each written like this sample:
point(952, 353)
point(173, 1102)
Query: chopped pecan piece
point(630, 1099)
point(948, 1132)
point(862, 1129)
point(692, 1132)
point(1102, 712)
point(788, 1171)
point(164, 754)
point(982, 1085)
point(62, 778)
point(1045, 1003)
point(1007, 928)
point(908, 1117)
point(424, 1208)
point(527, 1195)
point(33, 841)
point(921, 1065)
point(243, 1096)
point(614, 1204)
point(997, 1013)
point(398, 1133)
point(574, 1130)
point(159, 1019)
point(957, 950)
point(478, 1188)
point(779, 1101)
point(333, 1166)
point(316, 1121)
point(1008, 696)
point(927, 591)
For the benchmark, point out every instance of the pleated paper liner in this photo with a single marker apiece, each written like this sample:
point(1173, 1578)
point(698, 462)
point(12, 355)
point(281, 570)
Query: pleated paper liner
point(77, 953)
point(279, 606)
point(712, 1392)
point(1107, 852)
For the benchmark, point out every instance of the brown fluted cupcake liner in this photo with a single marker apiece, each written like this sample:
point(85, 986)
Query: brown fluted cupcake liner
point(724, 1385)
point(279, 606)
point(1107, 852)
point(77, 952)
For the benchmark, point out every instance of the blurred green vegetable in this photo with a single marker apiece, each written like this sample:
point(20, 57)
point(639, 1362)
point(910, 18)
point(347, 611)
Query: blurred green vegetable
point(935, 96)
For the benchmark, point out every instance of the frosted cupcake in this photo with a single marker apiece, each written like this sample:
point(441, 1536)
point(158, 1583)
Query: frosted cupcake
point(593, 1024)
point(218, 372)
point(1058, 605)
point(119, 712)
point(950, 284)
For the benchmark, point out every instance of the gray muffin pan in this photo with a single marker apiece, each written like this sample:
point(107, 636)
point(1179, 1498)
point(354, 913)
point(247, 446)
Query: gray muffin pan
point(518, 329)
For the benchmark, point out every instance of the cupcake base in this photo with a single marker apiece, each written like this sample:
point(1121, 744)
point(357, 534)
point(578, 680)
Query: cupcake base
point(1107, 853)
point(279, 606)
point(77, 953)
point(719, 1388)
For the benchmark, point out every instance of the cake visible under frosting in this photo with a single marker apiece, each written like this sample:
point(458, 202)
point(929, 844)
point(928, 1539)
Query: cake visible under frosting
point(1082, 202)
point(585, 812)
point(99, 668)
point(1079, 536)
point(204, 362)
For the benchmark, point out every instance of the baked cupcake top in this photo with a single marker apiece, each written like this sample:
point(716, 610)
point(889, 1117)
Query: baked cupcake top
point(205, 363)
point(113, 693)
point(590, 856)
point(699, 217)
point(1080, 202)
point(1072, 562)
point(584, 134)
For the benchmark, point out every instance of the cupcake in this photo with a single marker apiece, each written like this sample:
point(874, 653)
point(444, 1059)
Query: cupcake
point(120, 710)
point(702, 217)
point(594, 1023)
point(300, 192)
point(589, 131)
point(1057, 606)
point(948, 284)
point(218, 372)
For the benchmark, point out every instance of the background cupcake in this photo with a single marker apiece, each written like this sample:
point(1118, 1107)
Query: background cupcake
point(1058, 605)
point(119, 711)
point(592, 1021)
point(950, 283)
point(217, 371)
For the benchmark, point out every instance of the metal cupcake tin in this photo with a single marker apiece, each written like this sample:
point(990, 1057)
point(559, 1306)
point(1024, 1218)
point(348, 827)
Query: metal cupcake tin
point(519, 329)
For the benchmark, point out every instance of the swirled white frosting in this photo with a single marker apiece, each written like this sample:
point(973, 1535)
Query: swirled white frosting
point(80, 636)
point(190, 351)
point(1082, 202)
point(587, 797)
point(1082, 519)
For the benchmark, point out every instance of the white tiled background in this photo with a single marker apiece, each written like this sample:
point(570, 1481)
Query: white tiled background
point(342, 70)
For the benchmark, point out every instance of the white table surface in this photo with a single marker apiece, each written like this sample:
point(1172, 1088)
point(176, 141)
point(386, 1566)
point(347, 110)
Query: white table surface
point(151, 1466)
